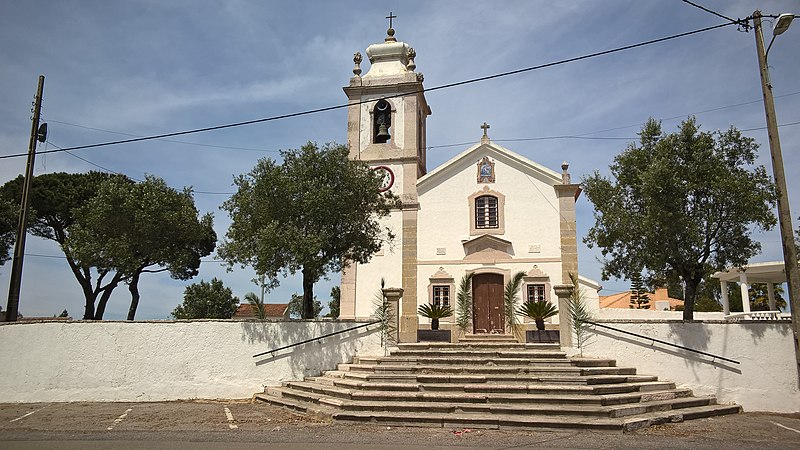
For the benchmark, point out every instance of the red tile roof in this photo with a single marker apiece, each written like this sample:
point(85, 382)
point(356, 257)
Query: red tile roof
point(271, 310)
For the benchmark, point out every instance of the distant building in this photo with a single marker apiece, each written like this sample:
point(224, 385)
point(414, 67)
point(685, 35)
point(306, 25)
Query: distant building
point(659, 301)
point(272, 311)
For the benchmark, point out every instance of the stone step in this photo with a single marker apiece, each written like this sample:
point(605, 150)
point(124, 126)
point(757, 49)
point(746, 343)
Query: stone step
point(452, 392)
point(466, 360)
point(453, 369)
point(313, 395)
point(462, 345)
point(488, 352)
point(484, 378)
point(469, 338)
point(524, 409)
point(531, 422)
point(424, 383)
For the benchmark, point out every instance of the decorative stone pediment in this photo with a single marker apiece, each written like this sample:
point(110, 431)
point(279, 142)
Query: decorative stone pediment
point(536, 274)
point(487, 249)
point(441, 275)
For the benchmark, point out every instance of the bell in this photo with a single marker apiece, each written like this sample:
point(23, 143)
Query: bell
point(383, 134)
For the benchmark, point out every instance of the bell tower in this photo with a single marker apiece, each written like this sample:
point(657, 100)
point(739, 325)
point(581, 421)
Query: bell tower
point(386, 129)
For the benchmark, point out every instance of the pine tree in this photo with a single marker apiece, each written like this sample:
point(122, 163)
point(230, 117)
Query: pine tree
point(639, 298)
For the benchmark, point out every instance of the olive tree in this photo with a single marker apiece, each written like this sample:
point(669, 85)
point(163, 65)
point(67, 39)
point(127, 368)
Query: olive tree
point(314, 213)
point(680, 204)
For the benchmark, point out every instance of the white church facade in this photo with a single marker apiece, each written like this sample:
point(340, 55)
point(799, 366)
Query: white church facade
point(488, 211)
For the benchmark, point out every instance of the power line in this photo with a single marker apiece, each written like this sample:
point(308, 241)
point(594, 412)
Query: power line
point(741, 22)
point(345, 105)
point(226, 147)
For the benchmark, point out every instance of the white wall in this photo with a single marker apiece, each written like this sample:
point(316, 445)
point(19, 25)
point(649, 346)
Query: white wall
point(765, 380)
point(149, 361)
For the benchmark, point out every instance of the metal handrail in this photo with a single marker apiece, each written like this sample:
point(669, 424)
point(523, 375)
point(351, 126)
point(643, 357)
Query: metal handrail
point(662, 342)
point(316, 338)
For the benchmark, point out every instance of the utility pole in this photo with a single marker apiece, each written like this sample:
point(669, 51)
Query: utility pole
point(12, 307)
point(784, 215)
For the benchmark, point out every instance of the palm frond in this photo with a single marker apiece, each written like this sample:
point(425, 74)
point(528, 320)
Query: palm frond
point(510, 299)
point(579, 313)
point(257, 304)
point(464, 302)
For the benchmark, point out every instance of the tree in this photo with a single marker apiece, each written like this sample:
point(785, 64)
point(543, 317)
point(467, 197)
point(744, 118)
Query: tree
point(8, 228)
point(54, 197)
point(296, 307)
point(639, 298)
point(680, 204)
point(145, 227)
point(64, 313)
point(316, 212)
point(206, 301)
point(336, 294)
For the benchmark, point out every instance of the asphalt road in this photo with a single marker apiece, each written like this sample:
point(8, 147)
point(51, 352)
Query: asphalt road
point(244, 425)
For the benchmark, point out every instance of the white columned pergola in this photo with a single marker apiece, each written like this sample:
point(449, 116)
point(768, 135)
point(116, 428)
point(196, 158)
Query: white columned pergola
point(769, 273)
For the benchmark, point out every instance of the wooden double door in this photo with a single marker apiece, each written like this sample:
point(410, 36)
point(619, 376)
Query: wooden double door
point(487, 301)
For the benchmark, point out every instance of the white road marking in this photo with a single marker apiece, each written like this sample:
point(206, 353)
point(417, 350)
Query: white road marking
point(25, 415)
point(119, 419)
point(228, 414)
point(785, 427)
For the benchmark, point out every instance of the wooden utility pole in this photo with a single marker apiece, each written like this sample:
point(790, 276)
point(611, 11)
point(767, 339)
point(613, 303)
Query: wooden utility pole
point(784, 215)
point(12, 307)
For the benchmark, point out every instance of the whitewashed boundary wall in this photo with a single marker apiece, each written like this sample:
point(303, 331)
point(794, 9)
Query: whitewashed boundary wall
point(765, 380)
point(150, 361)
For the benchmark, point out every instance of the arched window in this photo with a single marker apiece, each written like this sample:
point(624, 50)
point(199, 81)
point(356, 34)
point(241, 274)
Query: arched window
point(486, 213)
point(381, 122)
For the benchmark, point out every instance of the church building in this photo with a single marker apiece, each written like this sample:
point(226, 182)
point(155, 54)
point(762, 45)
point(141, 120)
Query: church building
point(488, 211)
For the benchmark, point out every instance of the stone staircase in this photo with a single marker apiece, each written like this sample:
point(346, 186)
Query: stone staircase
point(491, 381)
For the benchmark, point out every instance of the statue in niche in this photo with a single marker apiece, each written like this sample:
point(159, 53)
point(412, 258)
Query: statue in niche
point(486, 170)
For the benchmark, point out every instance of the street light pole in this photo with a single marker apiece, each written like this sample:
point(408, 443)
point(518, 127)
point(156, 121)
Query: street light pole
point(784, 215)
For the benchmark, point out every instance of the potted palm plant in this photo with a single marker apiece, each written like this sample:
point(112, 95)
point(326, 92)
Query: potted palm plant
point(538, 311)
point(434, 313)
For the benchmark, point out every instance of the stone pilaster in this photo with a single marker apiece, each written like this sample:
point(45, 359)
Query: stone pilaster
point(393, 296)
point(347, 293)
point(567, 195)
point(564, 292)
point(409, 322)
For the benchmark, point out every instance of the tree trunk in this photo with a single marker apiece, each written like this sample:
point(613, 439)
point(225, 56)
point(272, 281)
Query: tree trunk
point(101, 306)
point(133, 287)
point(84, 278)
point(308, 295)
point(539, 324)
point(434, 324)
point(691, 292)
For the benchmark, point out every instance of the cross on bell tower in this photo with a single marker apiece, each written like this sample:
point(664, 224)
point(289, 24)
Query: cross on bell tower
point(390, 31)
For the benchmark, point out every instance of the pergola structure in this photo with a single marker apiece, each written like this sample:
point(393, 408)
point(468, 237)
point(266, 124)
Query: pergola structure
point(769, 273)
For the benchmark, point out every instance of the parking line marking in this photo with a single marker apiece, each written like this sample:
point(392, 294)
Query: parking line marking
point(228, 414)
point(25, 415)
point(119, 419)
point(784, 426)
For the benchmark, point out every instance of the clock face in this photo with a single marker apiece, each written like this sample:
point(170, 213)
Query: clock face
point(386, 176)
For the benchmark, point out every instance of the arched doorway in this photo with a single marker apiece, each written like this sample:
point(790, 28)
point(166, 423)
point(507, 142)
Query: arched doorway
point(487, 303)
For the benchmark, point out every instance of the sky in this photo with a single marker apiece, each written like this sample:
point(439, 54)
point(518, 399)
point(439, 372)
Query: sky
point(116, 69)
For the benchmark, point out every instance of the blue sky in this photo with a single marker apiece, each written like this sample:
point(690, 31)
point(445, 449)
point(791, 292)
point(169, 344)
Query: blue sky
point(151, 67)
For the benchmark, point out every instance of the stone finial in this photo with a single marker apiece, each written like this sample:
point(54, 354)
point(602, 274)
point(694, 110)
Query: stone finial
point(420, 77)
point(485, 127)
point(357, 60)
point(565, 178)
point(411, 55)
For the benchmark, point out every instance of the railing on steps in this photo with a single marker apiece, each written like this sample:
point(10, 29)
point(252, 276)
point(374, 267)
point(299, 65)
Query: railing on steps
point(663, 342)
point(316, 338)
